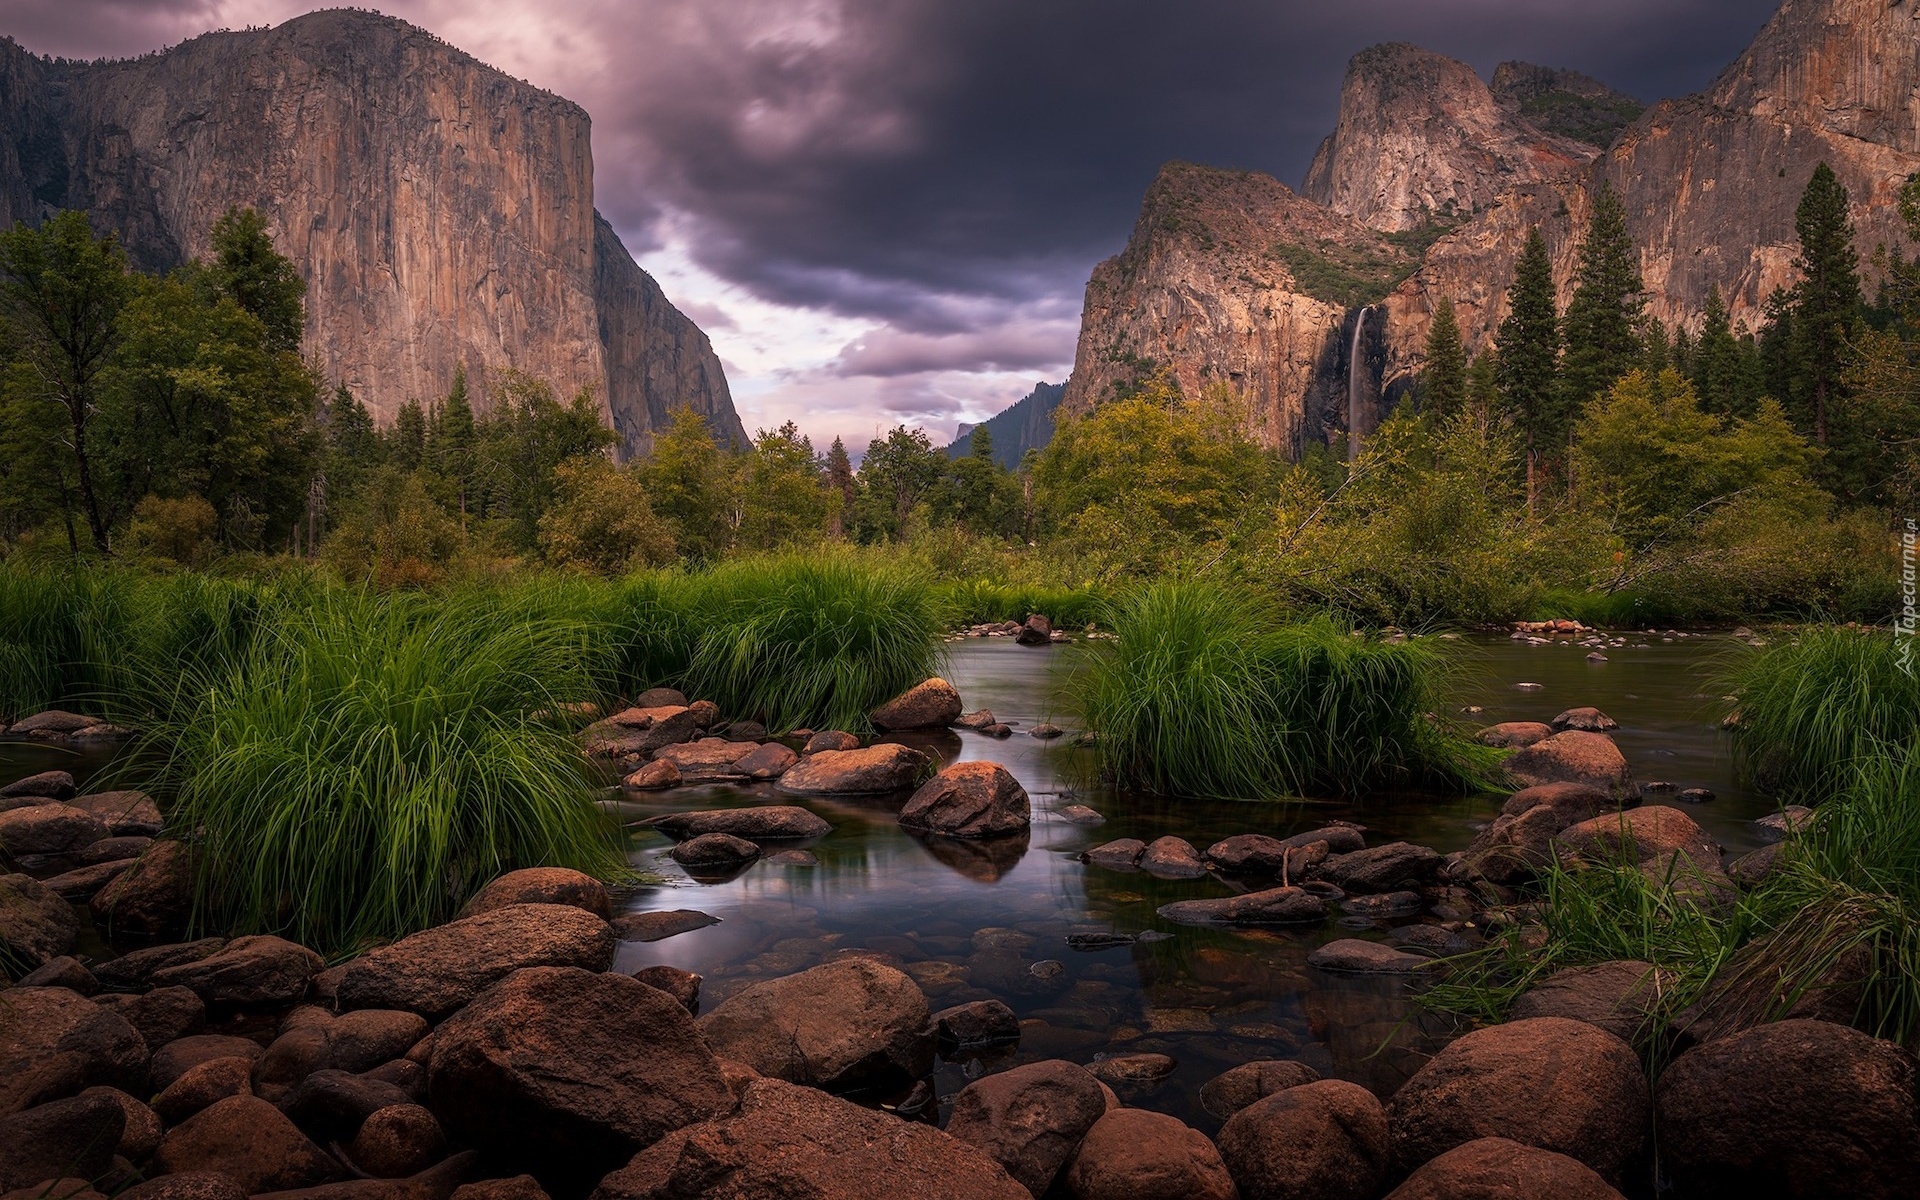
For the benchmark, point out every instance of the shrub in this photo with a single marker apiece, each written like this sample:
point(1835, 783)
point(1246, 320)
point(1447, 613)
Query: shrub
point(600, 520)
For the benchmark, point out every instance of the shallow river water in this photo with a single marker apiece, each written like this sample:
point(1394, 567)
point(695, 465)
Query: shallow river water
point(991, 920)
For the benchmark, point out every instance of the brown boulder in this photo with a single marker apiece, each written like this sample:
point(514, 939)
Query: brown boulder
point(769, 761)
point(683, 986)
point(1495, 1168)
point(71, 1137)
point(883, 768)
point(1620, 997)
point(1387, 868)
point(934, 704)
point(795, 1143)
point(565, 1073)
point(1562, 1085)
point(331, 1105)
point(1652, 833)
point(52, 1037)
point(1029, 1119)
point(1035, 631)
point(79, 884)
point(35, 923)
point(1356, 957)
point(1752, 868)
point(176, 1058)
point(714, 850)
point(250, 1142)
point(49, 829)
point(975, 1024)
point(1325, 1140)
point(653, 777)
point(161, 1015)
point(187, 1185)
point(1172, 858)
point(969, 799)
point(1514, 734)
point(641, 731)
point(133, 971)
point(248, 972)
point(152, 898)
point(124, 813)
point(397, 1141)
point(438, 970)
point(1133, 1154)
point(47, 785)
point(1795, 1108)
point(1519, 841)
point(1575, 756)
point(831, 739)
point(656, 926)
point(1257, 854)
point(543, 885)
point(1228, 1093)
point(1274, 906)
point(141, 1128)
point(520, 1187)
point(846, 1024)
point(1590, 720)
point(52, 722)
point(202, 1085)
point(768, 822)
point(709, 758)
point(1119, 853)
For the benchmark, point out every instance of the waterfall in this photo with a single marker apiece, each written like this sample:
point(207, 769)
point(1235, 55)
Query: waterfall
point(1353, 389)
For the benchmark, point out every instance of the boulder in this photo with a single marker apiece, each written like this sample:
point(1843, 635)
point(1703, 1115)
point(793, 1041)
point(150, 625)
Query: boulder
point(1029, 1119)
point(831, 739)
point(1387, 868)
point(203, 1085)
point(124, 813)
point(660, 697)
point(176, 1058)
point(1651, 833)
point(35, 923)
point(714, 850)
point(1079, 814)
point(1172, 858)
point(790, 1143)
point(654, 776)
point(1518, 843)
point(438, 970)
point(708, 759)
point(882, 768)
point(1589, 720)
point(161, 1015)
point(1046, 731)
point(705, 713)
point(1751, 869)
point(969, 799)
point(186, 1185)
point(52, 723)
point(934, 704)
point(1122, 852)
point(49, 829)
point(1795, 1108)
point(978, 719)
point(65, 972)
point(1258, 854)
point(1134, 1154)
point(1514, 734)
point(141, 1128)
point(1035, 631)
point(1789, 820)
point(84, 1043)
point(248, 972)
point(252, 1143)
point(543, 885)
point(655, 926)
point(1274, 906)
point(48, 785)
point(1496, 1168)
point(565, 1073)
point(115, 849)
point(766, 822)
point(72, 1137)
point(851, 1023)
point(1134, 1072)
point(973, 1025)
point(1325, 1140)
point(331, 1105)
point(1228, 1093)
point(642, 731)
point(152, 898)
point(80, 884)
point(1620, 997)
point(1356, 957)
point(397, 1141)
point(683, 986)
point(1550, 1082)
point(770, 761)
point(354, 1041)
point(134, 970)
point(520, 1187)
point(1575, 756)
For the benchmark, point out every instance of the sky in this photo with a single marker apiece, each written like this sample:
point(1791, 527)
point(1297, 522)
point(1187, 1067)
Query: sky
point(885, 211)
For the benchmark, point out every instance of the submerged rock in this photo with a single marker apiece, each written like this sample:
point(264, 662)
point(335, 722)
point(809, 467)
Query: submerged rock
point(975, 1024)
point(1274, 906)
point(770, 822)
point(831, 739)
point(656, 926)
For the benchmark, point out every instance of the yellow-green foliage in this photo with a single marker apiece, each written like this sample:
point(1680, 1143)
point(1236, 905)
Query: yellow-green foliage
point(600, 520)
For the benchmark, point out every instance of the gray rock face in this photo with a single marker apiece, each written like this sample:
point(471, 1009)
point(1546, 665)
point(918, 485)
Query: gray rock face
point(440, 211)
point(846, 1024)
point(438, 970)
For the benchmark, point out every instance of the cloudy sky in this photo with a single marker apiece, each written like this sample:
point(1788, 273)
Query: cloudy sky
point(885, 211)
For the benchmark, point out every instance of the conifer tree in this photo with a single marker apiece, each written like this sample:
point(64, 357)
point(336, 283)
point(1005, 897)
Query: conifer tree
point(1828, 299)
point(1483, 390)
point(408, 438)
point(1777, 347)
point(840, 485)
point(1656, 352)
point(1528, 348)
point(1444, 378)
point(1606, 313)
point(1720, 377)
point(454, 439)
point(259, 278)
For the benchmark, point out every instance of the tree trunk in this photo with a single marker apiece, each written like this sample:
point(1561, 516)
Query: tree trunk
point(77, 412)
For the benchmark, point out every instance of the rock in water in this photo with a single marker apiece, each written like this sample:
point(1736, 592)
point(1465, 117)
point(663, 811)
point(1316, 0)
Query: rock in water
point(439, 970)
point(1275, 906)
point(1228, 1093)
point(847, 1024)
point(768, 822)
point(543, 885)
point(1592, 720)
point(1518, 843)
point(934, 704)
point(883, 768)
point(1036, 631)
point(969, 799)
point(1573, 757)
point(1514, 734)
point(1030, 1119)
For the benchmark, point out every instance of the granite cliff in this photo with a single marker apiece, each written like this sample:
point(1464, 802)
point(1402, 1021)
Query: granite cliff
point(441, 211)
point(1026, 424)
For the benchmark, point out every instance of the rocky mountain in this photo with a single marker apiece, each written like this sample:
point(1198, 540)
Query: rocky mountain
point(1026, 424)
point(441, 211)
point(1429, 162)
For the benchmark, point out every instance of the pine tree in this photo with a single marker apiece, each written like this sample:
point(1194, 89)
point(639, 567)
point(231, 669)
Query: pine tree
point(1656, 352)
point(408, 437)
point(1685, 354)
point(259, 278)
point(1719, 377)
point(1606, 313)
point(840, 484)
point(453, 441)
point(1777, 347)
point(1528, 347)
point(1483, 390)
point(1444, 378)
point(1828, 300)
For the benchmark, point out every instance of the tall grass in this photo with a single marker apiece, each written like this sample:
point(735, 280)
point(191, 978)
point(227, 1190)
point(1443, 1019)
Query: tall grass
point(1814, 709)
point(1208, 692)
point(371, 761)
point(979, 601)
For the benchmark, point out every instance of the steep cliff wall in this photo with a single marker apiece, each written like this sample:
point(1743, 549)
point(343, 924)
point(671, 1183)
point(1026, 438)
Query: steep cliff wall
point(441, 211)
point(1564, 102)
point(1026, 424)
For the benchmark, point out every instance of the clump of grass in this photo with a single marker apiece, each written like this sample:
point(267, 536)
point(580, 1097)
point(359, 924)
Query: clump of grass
point(1815, 708)
point(1207, 692)
point(979, 601)
point(54, 630)
point(370, 762)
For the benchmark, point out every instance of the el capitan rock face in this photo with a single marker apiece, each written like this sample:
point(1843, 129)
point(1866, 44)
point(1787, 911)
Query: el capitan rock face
point(440, 210)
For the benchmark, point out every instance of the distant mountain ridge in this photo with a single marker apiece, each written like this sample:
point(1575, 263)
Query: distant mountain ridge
point(1026, 424)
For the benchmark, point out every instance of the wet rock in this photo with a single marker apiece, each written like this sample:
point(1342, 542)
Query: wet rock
point(398, 1141)
point(654, 776)
point(1752, 869)
point(744, 731)
point(248, 972)
point(354, 1041)
point(54, 1042)
point(187, 1185)
point(1029, 1119)
point(1387, 868)
point(1228, 1093)
point(177, 1057)
point(80, 884)
point(714, 850)
point(124, 813)
point(1620, 997)
point(1558, 1084)
point(115, 849)
point(52, 723)
point(250, 1142)
point(1589, 720)
point(1661, 839)
point(35, 923)
point(875, 769)
point(48, 785)
point(788, 1141)
point(439, 970)
point(1795, 1108)
point(642, 731)
point(161, 1015)
point(202, 1085)
point(934, 704)
point(794, 858)
point(847, 1024)
point(1134, 1071)
point(1035, 631)
point(1325, 1140)
point(1789, 820)
point(1133, 1154)
point(1514, 734)
point(1274, 906)
point(520, 1187)
point(1124, 852)
point(1696, 795)
point(1518, 844)
point(543, 885)
point(1355, 957)
point(683, 986)
point(660, 697)
point(1575, 756)
point(974, 1025)
point(1382, 906)
point(709, 758)
point(770, 761)
point(567, 1072)
point(969, 799)
point(1172, 858)
point(831, 739)
point(1257, 854)
point(655, 926)
point(152, 898)
point(704, 712)
point(71, 1137)
point(331, 1105)
point(49, 829)
point(979, 719)
point(1046, 731)
point(1079, 814)
point(769, 822)
point(998, 729)
point(1496, 1168)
